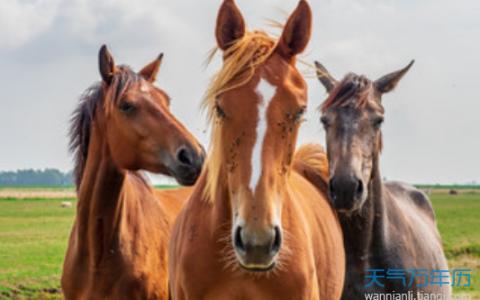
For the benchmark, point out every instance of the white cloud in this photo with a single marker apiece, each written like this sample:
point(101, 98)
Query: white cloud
point(92, 20)
point(21, 21)
point(431, 119)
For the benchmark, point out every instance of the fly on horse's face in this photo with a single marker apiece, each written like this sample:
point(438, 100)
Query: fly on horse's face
point(352, 116)
point(140, 130)
point(258, 122)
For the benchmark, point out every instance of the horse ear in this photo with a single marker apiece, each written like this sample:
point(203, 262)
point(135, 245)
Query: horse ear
point(297, 31)
point(230, 25)
point(388, 82)
point(325, 78)
point(106, 64)
point(150, 71)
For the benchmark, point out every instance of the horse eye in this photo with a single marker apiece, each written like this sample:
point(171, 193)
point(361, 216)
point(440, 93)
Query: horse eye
point(377, 122)
point(219, 111)
point(325, 121)
point(300, 114)
point(126, 107)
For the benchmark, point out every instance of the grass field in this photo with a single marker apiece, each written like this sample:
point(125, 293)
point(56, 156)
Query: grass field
point(34, 233)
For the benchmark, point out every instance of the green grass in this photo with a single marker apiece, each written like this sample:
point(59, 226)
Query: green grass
point(33, 240)
point(458, 219)
point(34, 233)
point(449, 186)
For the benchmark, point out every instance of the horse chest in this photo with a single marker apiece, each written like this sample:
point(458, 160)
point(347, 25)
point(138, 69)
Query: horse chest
point(253, 287)
point(117, 280)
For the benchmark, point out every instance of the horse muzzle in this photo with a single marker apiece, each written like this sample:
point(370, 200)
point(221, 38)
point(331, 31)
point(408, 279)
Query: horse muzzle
point(257, 250)
point(346, 192)
point(187, 165)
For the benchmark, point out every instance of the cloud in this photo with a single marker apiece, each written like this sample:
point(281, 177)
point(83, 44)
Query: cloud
point(22, 21)
point(93, 20)
point(88, 21)
point(48, 50)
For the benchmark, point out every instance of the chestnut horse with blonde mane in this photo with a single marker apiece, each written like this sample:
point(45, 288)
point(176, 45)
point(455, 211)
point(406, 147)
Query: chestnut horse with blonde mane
point(118, 244)
point(258, 224)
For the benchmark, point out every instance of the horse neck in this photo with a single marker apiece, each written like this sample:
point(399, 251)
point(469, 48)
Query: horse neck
point(99, 196)
point(221, 207)
point(364, 230)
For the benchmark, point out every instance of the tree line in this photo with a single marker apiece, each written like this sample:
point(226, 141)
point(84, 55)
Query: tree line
point(31, 177)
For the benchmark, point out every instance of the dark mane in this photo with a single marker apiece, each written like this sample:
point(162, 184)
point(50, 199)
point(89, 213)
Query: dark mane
point(353, 89)
point(82, 117)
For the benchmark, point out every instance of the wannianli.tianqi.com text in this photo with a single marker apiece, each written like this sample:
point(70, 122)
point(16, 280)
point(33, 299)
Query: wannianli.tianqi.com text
point(410, 295)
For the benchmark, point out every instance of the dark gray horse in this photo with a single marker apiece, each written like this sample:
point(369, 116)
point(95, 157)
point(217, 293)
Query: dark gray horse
point(387, 226)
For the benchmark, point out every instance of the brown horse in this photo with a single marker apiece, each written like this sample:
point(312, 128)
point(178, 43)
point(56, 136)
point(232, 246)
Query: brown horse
point(255, 226)
point(387, 225)
point(118, 244)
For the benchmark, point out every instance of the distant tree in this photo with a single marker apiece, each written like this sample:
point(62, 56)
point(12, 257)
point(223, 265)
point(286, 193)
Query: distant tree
point(30, 177)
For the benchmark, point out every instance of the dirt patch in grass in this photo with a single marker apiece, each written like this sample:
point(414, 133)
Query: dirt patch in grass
point(472, 262)
point(22, 292)
point(50, 193)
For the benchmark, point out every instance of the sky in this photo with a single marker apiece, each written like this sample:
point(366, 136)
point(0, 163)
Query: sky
point(48, 57)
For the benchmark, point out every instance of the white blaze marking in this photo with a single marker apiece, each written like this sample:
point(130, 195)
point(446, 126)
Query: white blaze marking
point(265, 91)
point(144, 87)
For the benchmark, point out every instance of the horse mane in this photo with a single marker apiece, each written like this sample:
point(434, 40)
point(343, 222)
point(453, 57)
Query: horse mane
point(241, 60)
point(352, 90)
point(310, 161)
point(84, 114)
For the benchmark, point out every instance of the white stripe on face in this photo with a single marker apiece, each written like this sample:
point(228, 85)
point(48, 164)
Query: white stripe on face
point(265, 91)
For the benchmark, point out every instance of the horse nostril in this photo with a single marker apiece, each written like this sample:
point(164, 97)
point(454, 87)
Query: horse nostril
point(184, 156)
point(237, 240)
point(277, 241)
point(359, 189)
point(331, 189)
